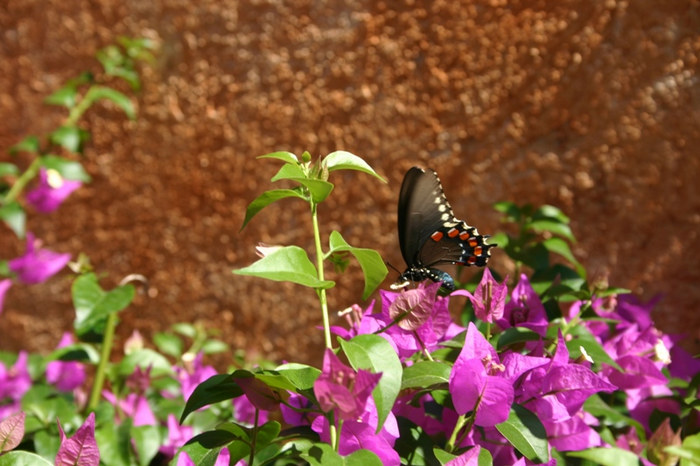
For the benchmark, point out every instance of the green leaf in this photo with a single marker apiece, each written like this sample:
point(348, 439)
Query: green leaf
point(68, 169)
point(561, 247)
point(217, 388)
point(319, 189)
point(7, 168)
point(552, 213)
point(214, 346)
point(23, 458)
point(80, 352)
point(14, 216)
point(425, 374)
point(608, 456)
point(342, 160)
point(590, 345)
point(267, 198)
point(96, 93)
point(147, 440)
point(515, 335)
point(281, 155)
point(301, 376)
point(28, 144)
point(64, 97)
point(145, 358)
point(597, 407)
point(373, 267)
point(374, 353)
point(512, 211)
point(526, 433)
point(289, 171)
point(557, 228)
point(168, 343)
point(70, 138)
point(203, 449)
point(93, 305)
point(288, 263)
point(321, 454)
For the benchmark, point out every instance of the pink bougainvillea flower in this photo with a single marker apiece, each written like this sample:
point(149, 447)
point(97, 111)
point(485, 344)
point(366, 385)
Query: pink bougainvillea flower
point(489, 298)
point(37, 265)
point(342, 389)
point(362, 433)
point(14, 383)
point(193, 374)
point(477, 382)
point(436, 325)
point(134, 406)
point(469, 458)
point(81, 449)
point(524, 309)
point(53, 189)
point(177, 436)
point(244, 411)
point(4, 286)
point(65, 375)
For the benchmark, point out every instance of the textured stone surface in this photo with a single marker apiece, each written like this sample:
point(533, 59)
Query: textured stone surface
point(590, 106)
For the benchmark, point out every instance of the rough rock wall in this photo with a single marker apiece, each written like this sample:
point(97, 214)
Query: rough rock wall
point(590, 106)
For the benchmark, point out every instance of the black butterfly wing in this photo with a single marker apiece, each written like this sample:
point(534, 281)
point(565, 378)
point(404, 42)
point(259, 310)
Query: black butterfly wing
point(429, 232)
point(418, 215)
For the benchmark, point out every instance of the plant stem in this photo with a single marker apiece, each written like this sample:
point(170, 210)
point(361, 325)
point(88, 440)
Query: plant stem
point(22, 181)
point(104, 359)
point(251, 458)
point(319, 266)
point(453, 438)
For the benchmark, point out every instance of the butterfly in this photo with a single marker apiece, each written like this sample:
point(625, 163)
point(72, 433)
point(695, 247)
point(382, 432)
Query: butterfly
point(430, 235)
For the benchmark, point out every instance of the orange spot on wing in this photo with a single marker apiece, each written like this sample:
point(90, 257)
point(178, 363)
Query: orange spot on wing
point(453, 232)
point(437, 236)
point(478, 250)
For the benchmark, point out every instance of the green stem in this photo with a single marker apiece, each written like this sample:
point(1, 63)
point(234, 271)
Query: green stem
point(80, 108)
point(461, 420)
point(104, 360)
point(319, 266)
point(22, 181)
point(251, 458)
point(324, 302)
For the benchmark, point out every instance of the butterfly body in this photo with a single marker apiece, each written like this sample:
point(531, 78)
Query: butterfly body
point(429, 233)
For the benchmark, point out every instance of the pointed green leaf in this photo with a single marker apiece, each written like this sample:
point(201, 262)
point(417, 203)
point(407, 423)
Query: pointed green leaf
point(14, 217)
point(425, 374)
point(64, 97)
point(7, 168)
point(373, 267)
point(68, 169)
point(374, 353)
point(550, 212)
point(301, 376)
point(608, 456)
point(322, 454)
point(267, 198)
point(216, 388)
point(23, 458)
point(342, 160)
point(515, 335)
point(288, 264)
point(96, 93)
point(147, 441)
point(93, 305)
point(561, 247)
point(69, 137)
point(281, 155)
point(526, 433)
point(203, 449)
point(551, 226)
point(289, 171)
point(28, 144)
